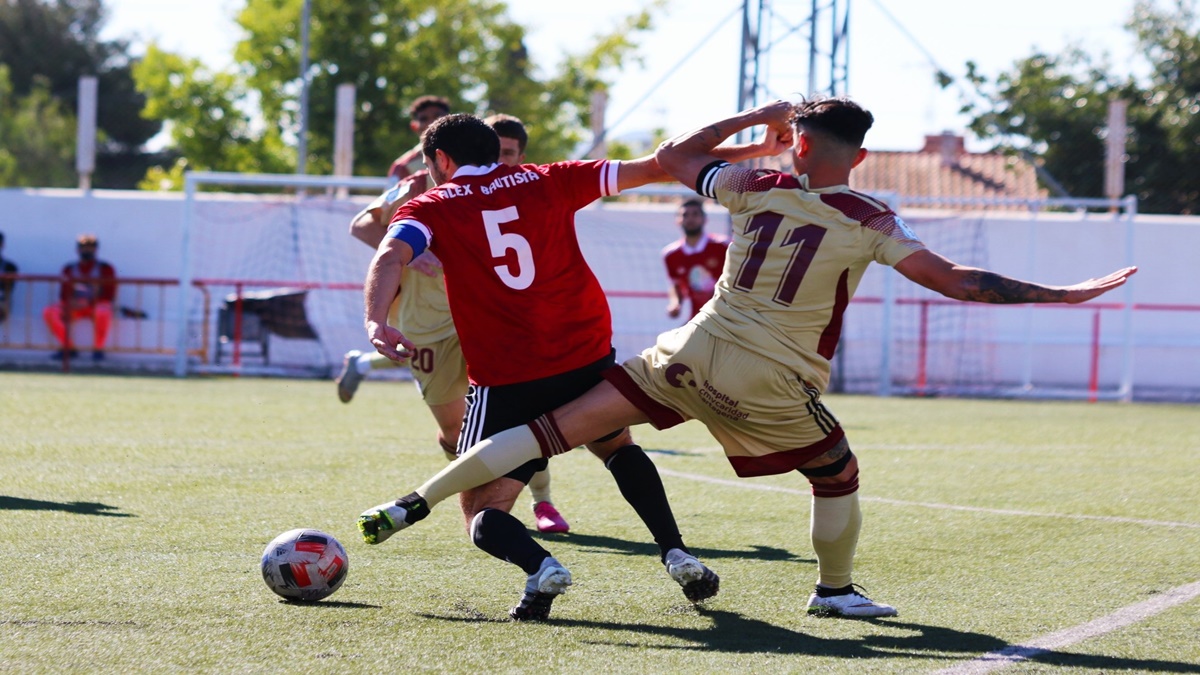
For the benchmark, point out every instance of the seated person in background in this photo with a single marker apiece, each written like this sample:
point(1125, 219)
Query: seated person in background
point(6, 284)
point(88, 290)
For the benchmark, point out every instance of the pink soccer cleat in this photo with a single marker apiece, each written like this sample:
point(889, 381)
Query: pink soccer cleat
point(549, 519)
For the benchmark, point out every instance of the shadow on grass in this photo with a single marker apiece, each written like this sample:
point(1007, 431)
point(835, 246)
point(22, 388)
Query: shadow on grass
point(732, 633)
point(84, 508)
point(620, 546)
point(319, 604)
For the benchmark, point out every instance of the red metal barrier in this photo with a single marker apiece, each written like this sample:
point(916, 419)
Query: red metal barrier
point(141, 319)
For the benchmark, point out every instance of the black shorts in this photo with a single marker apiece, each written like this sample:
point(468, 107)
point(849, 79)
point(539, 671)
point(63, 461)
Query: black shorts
point(491, 410)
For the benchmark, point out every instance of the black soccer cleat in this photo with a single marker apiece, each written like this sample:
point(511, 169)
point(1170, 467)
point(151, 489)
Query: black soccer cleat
point(699, 583)
point(534, 606)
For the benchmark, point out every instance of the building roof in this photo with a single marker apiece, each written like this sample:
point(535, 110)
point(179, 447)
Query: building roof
point(944, 168)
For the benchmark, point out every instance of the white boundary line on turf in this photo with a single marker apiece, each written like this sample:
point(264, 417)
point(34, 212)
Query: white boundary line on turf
point(748, 485)
point(1064, 638)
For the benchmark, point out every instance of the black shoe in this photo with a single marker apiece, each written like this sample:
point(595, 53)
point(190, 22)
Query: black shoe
point(550, 581)
point(98, 355)
point(533, 607)
point(699, 583)
point(61, 354)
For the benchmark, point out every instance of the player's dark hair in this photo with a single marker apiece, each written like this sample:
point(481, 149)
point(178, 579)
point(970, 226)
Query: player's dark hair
point(838, 118)
point(424, 102)
point(468, 140)
point(507, 126)
point(692, 202)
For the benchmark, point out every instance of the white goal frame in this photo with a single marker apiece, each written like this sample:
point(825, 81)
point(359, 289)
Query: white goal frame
point(1123, 210)
point(194, 180)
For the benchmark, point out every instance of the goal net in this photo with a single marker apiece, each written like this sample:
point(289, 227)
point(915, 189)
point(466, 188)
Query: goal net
point(281, 278)
point(281, 283)
point(902, 338)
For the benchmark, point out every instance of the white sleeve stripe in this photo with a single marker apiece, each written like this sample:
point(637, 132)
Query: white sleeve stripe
point(417, 224)
point(708, 181)
point(608, 178)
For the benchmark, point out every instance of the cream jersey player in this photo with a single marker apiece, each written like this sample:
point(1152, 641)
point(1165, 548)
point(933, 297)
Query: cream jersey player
point(421, 311)
point(795, 261)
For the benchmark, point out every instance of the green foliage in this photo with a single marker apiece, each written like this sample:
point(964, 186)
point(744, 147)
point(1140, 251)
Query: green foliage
point(393, 51)
point(48, 45)
point(37, 137)
point(1054, 106)
point(134, 511)
point(208, 125)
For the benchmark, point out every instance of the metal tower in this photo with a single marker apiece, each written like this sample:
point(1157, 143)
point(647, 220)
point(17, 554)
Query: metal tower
point(793, 47)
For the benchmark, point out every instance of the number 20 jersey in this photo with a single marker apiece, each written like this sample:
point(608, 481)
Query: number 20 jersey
point(796, 259)
point(524, 301)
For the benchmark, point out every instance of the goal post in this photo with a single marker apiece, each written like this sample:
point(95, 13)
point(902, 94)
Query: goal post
point(928, 345)
point(193, 184)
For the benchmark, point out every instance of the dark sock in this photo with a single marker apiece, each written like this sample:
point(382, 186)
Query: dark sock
point(640, 485)
point(506, 538)
point(823, 592)
point(414, 506)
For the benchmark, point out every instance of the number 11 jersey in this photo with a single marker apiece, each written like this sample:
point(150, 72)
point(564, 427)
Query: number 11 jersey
point(796, 258)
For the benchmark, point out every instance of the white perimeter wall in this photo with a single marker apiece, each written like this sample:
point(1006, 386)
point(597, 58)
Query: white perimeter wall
point(140, 233)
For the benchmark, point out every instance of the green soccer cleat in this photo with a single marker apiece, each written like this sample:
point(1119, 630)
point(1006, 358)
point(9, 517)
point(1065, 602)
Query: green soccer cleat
point(379, 523)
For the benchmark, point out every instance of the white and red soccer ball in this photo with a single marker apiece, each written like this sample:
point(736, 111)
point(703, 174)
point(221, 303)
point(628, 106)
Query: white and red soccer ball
point(306, 565)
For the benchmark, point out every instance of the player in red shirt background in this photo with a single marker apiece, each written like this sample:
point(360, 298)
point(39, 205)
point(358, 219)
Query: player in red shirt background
point(88, 291)
point(694, 262)
point(535, 329)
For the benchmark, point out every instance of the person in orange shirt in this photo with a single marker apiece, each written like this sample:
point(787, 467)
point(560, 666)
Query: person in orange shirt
point(88, 290)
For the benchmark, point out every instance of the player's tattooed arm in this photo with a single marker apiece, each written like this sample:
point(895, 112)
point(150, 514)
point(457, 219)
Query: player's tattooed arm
point(997, 289)
point(969, 283)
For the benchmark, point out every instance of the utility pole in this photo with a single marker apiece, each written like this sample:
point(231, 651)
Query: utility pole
point(302, 140)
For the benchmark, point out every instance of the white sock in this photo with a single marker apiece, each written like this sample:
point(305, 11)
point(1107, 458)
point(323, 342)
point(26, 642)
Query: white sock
point(539, 486)
point(486, 461)
point(836, 522)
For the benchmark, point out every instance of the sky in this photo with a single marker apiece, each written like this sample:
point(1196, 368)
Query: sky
point(690, 72)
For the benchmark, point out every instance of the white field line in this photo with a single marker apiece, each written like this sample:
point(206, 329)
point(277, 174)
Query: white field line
point(1069, 636)
point(1018, 653)
point(747, 484)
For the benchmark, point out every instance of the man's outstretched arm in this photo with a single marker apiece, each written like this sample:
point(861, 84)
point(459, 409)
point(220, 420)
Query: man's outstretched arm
point(977, 285)
point(685, 156)
point(649, 169)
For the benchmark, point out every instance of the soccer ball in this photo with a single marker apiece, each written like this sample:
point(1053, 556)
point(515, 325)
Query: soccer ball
point(305, 565)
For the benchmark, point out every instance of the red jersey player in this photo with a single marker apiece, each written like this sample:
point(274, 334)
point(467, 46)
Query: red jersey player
point(535, 330)
point(693, 262)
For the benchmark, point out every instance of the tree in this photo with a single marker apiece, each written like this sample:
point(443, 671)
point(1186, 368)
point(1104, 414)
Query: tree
point(49, 44)
point(393, 51)
point(1054, 107)
point(37, 137)
point(208, 128)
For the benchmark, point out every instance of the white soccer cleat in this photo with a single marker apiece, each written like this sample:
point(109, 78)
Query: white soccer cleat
point(851, 604)
point(698, 582)
point(549, 582)
point(348, 380)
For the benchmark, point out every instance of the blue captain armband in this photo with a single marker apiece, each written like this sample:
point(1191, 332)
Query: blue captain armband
point(411, 234)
